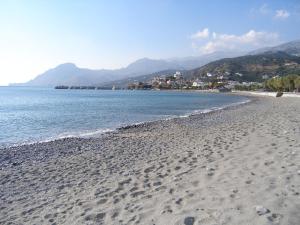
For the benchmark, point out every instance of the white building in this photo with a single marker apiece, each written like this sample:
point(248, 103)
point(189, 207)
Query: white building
point(198, 84)
point(177, 75)
point(265, 77)
point(231, 84)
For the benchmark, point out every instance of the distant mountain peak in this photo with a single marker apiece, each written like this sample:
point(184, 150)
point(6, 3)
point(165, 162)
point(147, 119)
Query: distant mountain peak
point(142, 61)
point(67, 64)
point(69, 74)
point(292, 48)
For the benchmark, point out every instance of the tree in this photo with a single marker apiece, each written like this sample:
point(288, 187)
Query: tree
point(286, 83)
point(297, 83)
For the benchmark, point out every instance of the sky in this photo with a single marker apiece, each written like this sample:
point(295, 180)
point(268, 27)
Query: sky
point(36, 35)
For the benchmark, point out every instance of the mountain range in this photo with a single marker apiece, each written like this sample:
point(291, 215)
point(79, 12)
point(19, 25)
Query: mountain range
point(71, 75)
point(255, 66)
point(292, 48)
point(251, 64)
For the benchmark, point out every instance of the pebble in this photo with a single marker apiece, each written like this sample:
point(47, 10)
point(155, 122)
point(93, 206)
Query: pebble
point(260, 210)
point(210, 171)
point(189, 220)
point(274, 218)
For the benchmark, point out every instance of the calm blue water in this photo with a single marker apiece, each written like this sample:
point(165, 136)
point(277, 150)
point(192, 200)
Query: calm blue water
point(37, 114)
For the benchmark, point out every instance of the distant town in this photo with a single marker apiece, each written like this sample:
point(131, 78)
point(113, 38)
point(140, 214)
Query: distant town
point(208, 82)
point(220, 81)
point(177, 81)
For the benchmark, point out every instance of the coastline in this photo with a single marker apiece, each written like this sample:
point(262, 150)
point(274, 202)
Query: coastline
point(267, 94)
point(99, 132)
point(211, 168)
point(17, 154)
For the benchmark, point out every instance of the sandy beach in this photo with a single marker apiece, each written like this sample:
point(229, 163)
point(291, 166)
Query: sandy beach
point(235, 166)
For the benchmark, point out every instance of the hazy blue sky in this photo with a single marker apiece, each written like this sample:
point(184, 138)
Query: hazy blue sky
point(37, 35)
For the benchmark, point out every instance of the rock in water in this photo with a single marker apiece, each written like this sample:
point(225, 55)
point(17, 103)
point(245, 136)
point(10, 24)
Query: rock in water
point(189, 220)
point(260, 210)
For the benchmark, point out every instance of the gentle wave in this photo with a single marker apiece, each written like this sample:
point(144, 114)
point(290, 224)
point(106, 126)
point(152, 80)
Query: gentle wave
point(212, 109)
point(87, 134)
point(50, 115)
point(99, 132)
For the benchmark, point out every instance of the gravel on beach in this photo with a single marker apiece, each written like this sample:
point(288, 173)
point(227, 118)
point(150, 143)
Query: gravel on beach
point(235, 166)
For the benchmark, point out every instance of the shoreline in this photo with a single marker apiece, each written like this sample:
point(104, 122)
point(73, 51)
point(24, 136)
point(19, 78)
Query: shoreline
point(17, 150)
point(267, 94)
point(99, 132)
point(223, 167)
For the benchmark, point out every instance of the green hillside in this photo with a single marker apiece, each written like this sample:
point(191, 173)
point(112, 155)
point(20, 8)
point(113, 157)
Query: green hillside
point(250, 67)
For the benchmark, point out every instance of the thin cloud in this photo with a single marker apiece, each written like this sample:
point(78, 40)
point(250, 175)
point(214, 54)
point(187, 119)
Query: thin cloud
point(282, 14)
point(247, 41)
point(201, 34)
point(264, 9)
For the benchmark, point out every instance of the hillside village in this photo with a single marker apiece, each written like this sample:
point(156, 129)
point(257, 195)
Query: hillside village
point(207, 82)
point(248, 72)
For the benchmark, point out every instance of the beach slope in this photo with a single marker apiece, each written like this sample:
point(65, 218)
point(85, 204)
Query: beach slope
point(235, 166)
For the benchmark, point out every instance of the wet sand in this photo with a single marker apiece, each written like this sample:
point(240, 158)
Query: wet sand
point(235, 166)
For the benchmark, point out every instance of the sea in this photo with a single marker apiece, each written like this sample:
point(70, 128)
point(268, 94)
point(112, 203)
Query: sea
point(31, 114)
